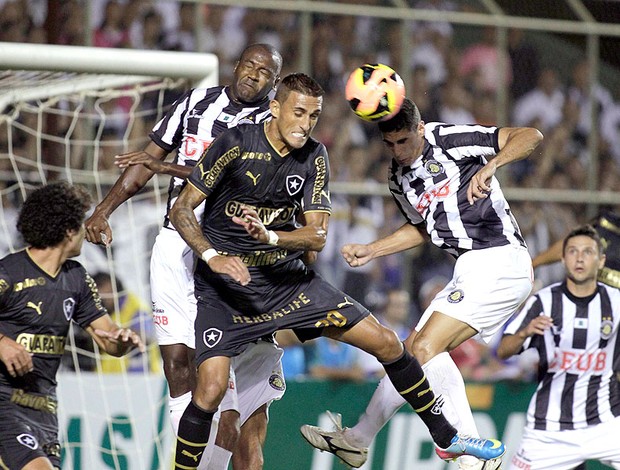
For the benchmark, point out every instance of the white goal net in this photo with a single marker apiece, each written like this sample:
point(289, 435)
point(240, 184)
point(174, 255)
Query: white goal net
point(65, 112)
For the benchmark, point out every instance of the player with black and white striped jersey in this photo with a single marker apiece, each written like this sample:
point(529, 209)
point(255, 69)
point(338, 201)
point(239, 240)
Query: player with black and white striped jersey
point(442, 178)
point(574, 415)
point(192, 123)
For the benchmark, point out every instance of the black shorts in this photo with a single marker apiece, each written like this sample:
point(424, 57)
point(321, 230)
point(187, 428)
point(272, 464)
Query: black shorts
point(278, 297)
point(26, 434)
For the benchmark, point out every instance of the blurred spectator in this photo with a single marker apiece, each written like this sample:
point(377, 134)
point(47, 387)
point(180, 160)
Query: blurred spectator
point(128, 311)
point(197, 28)
point(334, 360)
point(579, 97)
point(610, 130)
point(113, 31)
point(73, 32)
point(148, 33)
point(543, 106)
point(396, 312)
point(365, 218)
point(294, 364)
point(455, 103)
point(524, 59)
point(480, 64)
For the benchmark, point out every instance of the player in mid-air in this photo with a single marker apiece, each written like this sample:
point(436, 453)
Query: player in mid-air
point(41, 292)
point(250, 280)
point(442, 178)
point(574, 415)
point(190, 126)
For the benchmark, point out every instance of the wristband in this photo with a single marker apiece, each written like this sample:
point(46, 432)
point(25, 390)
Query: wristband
point(273, 238)
point(208, 254)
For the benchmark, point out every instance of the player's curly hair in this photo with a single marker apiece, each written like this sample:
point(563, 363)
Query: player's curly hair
point(299, 82)
point(407, 118)
point(50, 211)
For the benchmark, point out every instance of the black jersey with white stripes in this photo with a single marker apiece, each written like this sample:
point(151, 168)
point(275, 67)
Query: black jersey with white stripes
point(36, 310)
point(240, 168)
point(195, 120)
point(432, 191)
point(579, 357)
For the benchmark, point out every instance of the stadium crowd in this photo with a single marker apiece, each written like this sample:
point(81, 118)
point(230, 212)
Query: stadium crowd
point(452, 76)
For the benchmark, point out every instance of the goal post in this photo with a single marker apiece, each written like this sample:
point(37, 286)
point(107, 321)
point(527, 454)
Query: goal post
point(65, 111)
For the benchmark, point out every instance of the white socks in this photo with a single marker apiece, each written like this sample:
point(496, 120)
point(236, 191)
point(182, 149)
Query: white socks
point(385, 402)
point(176, 407)
point(445, 379)
point(214, 457)
point(220, 458)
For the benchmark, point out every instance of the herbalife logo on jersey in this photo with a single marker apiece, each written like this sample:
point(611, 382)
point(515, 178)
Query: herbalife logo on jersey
point(294, 184)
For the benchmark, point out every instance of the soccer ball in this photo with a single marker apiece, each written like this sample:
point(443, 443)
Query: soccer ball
point(375, 92)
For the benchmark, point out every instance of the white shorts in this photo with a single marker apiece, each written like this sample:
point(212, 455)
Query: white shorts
point(559, 450)
point(172, 289)
point(259, 379)
point(486, 288)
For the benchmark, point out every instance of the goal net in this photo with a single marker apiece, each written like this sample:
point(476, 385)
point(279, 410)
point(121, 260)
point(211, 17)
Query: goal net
point(65, 112)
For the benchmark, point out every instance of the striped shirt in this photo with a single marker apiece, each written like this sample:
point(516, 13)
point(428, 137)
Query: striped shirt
point(579, 357)
point(194, 121)
point(433, 190)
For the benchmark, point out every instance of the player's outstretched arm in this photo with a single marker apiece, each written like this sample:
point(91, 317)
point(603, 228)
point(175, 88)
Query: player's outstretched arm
point(406, 237)
point(512, 344)
point(154, 164)
point(515, 143)
point(553, 254)
point(133, 179)
point(16, 359)
point(113, 339)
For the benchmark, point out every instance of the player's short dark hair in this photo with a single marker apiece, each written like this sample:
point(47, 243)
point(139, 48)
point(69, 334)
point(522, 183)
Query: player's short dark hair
point(50, 211)
point(299, 82)
point(586, 231)
point(407, 118)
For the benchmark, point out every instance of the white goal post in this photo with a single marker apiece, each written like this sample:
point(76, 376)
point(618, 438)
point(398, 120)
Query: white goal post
point(65, 111)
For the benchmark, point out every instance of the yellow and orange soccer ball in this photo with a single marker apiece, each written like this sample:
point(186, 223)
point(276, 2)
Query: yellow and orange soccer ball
point(375, 92)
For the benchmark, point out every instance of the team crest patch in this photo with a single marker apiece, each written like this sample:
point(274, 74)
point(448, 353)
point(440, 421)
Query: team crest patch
point(246, 120)
point(294, 184)
point(607, 328)
point(28, 440)
point(456, 296)
point(277, 382)
point(433, 167)
point(211, 337)
point(68, 305)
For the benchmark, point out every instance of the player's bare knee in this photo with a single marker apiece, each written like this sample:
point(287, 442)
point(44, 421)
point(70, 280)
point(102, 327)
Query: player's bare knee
point(423, 348)
point(390, 347)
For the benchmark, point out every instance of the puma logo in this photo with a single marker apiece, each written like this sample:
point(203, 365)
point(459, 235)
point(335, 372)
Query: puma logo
point(345, 303)
point(252, 177)
point(196, 457)
point(35, 307)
